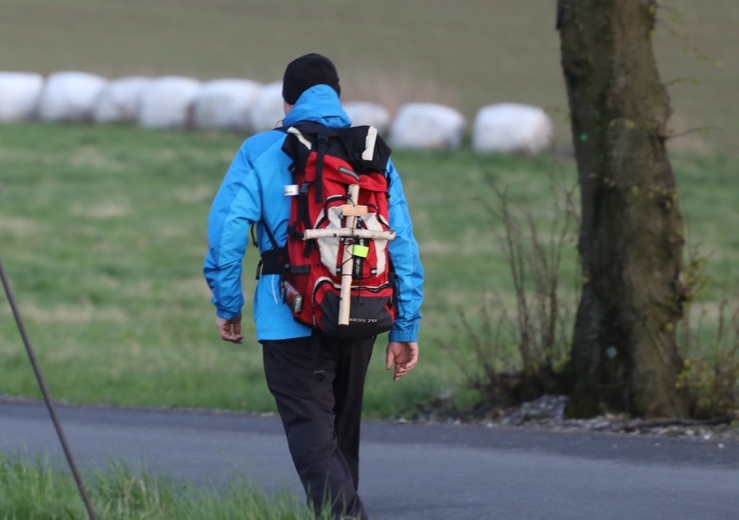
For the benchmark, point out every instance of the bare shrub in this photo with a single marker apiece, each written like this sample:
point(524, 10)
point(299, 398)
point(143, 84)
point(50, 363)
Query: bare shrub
point(517, 354)
point(711, 359)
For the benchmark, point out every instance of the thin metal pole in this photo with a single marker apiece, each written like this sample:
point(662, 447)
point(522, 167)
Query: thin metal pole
point(45, 392)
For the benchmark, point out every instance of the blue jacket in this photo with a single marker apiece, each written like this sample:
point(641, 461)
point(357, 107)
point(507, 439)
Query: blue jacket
point(253, 191)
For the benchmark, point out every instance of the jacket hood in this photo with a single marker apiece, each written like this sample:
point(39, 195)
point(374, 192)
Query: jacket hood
point(319, 104)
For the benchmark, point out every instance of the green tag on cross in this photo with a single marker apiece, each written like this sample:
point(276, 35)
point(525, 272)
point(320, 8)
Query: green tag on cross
point(360, 251)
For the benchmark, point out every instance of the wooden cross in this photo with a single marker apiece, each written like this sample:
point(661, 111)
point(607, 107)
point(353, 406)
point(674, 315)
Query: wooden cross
point(351, 235)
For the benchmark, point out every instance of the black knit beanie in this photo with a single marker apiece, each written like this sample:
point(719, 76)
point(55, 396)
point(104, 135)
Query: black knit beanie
point(305, 72)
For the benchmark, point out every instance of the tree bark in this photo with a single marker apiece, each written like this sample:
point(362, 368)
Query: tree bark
point(624, 357)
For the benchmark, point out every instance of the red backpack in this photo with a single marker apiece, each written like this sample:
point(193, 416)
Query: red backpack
point(336, 270)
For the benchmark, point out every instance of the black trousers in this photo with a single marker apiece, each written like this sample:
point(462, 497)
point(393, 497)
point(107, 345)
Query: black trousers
point(322, 417)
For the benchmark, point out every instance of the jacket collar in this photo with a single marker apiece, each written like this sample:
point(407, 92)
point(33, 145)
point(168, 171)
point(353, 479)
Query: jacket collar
point(319, 104)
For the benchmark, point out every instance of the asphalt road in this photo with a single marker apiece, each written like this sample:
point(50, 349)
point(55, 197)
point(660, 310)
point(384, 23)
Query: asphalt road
point(411, 471)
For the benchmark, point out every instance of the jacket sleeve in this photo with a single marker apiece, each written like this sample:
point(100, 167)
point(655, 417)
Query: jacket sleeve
point(406, 260)
point(236, 206)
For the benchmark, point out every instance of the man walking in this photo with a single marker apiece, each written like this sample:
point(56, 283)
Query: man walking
point(322, 417)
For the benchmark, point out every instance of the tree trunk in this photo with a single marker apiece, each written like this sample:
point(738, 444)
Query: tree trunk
point(624, 357)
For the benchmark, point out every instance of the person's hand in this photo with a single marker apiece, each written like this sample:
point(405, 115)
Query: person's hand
point(402, 354)
point(230, 330)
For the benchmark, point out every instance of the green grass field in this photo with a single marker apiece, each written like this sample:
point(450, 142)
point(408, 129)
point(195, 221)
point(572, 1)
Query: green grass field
point(466, 54)
point(102, 233)
point(103, 236)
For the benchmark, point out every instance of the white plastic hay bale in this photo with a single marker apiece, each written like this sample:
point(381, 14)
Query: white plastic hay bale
point(225, 104)
point(19, 95)
point(511, 128)
point(427, 126)
point(120, 100)
point(167, 103)
point(268, 108)
point(366, 113)
point(70, 96)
